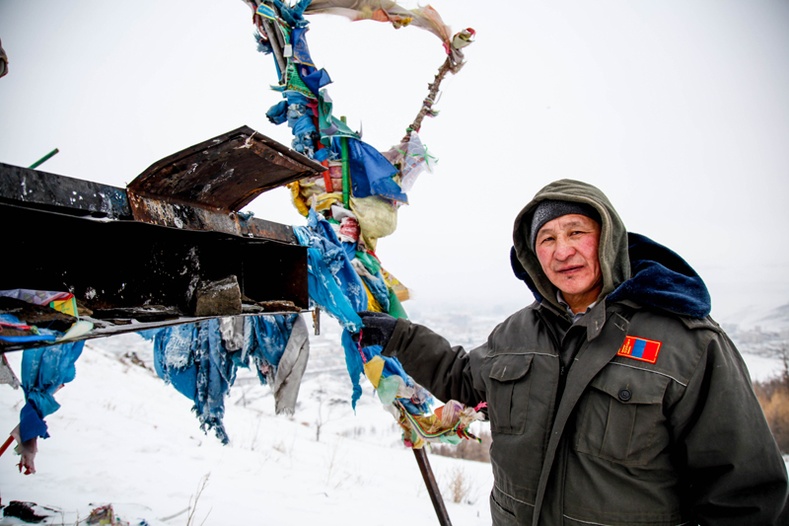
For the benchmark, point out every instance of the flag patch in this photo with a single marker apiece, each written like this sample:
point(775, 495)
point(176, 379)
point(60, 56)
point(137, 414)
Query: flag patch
point(640, 349)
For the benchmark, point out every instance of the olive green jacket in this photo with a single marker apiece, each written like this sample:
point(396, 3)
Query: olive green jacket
point(640, 413)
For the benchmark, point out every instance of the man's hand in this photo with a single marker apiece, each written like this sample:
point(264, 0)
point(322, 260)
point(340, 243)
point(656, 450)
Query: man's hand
point(377, 328)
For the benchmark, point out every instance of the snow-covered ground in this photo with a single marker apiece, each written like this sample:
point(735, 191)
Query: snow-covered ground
point(124, 437)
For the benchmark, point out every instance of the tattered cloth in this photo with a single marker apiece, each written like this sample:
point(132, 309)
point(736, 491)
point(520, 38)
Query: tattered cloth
point(200, 360)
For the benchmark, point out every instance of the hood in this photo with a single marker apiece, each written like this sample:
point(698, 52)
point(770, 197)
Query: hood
point(613, 249)
point(662, 280)
point(634, 267)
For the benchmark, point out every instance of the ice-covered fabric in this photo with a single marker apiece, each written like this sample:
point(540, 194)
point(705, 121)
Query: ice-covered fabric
point(192, 358)
point(333, 284)
point(200, 360)
point(44, 371)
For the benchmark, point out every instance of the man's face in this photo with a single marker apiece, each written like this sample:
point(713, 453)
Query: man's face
point(567, 250)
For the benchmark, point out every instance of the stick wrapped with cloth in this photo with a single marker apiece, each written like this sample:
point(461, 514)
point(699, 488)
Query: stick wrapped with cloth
point(408, 402)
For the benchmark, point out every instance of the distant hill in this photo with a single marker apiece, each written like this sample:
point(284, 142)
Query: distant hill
point(763, 332)
point(767, 319)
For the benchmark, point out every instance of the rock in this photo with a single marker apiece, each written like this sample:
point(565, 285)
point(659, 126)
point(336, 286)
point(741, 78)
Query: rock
point(218, 298)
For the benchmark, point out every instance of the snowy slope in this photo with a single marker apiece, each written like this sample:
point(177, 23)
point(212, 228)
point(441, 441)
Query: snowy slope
point(124, 437)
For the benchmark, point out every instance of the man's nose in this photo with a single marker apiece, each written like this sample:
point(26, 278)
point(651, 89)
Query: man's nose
point(564, 249)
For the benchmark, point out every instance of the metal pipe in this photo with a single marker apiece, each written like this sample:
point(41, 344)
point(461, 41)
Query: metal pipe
point(43, 159)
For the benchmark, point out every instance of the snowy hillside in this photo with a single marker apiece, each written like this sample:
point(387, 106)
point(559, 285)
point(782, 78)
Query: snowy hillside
point(762, 335)
point(765, 318)
point(123, 437)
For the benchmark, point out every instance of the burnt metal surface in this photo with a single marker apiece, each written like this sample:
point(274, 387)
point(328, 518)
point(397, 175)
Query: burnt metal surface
point(126, 273)
point(204, 186)
point(123, 264)
point(224, 173)
point(59, 193)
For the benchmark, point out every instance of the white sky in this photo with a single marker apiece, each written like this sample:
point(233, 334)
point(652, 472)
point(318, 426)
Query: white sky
point(677, 110)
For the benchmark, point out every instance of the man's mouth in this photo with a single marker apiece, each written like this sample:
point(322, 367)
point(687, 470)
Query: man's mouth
point(570, 270)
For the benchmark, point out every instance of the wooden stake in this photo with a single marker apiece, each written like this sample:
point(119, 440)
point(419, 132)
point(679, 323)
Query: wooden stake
point(432, 487)
point(346, 171)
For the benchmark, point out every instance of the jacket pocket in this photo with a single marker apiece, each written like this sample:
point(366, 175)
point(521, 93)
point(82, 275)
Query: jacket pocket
point(508, 393)
point(621, 417)
point(502, 516)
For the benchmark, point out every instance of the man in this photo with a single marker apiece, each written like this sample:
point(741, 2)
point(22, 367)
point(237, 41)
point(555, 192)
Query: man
point(613, 399)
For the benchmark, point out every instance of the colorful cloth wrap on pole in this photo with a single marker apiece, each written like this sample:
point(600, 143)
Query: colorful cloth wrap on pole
point(336, 287)
point(350, 208)
point(200, 360)
point(307, 107)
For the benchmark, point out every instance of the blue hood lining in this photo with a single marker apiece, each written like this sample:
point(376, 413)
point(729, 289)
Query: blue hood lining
point(660, 279)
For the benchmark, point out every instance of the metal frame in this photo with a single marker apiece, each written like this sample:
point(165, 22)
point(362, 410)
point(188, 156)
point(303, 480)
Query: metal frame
point(135, 256)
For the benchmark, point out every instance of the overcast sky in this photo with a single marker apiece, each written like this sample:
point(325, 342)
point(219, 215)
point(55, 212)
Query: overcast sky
point(677, 110)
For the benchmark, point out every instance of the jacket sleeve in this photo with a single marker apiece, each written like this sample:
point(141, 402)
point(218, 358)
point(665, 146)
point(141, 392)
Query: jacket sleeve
point(735, 472)
point(432, 362)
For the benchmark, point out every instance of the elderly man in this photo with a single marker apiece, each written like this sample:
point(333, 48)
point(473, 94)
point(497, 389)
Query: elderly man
point(613, 399)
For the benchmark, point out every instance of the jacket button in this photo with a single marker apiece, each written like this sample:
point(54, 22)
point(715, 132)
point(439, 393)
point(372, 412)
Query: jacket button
point(625, 395)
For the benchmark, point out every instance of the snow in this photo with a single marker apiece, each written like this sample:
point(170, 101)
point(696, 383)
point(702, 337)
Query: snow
point(124, 437)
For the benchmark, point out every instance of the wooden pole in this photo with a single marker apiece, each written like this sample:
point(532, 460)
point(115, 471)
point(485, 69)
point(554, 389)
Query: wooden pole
point(427, 103)
point(346, 171)
point(432, 487)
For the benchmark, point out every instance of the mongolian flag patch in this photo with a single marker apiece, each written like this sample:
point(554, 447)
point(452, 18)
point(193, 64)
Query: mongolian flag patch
point(640, 349)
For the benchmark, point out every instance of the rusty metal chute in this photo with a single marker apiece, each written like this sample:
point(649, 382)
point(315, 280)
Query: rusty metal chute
point(136, 255)
point(214, 179)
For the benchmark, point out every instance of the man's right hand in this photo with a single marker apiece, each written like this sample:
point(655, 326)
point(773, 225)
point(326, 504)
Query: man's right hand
point(377, 328)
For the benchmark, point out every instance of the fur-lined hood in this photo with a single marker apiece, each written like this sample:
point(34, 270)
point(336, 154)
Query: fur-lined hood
point(634, 268)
